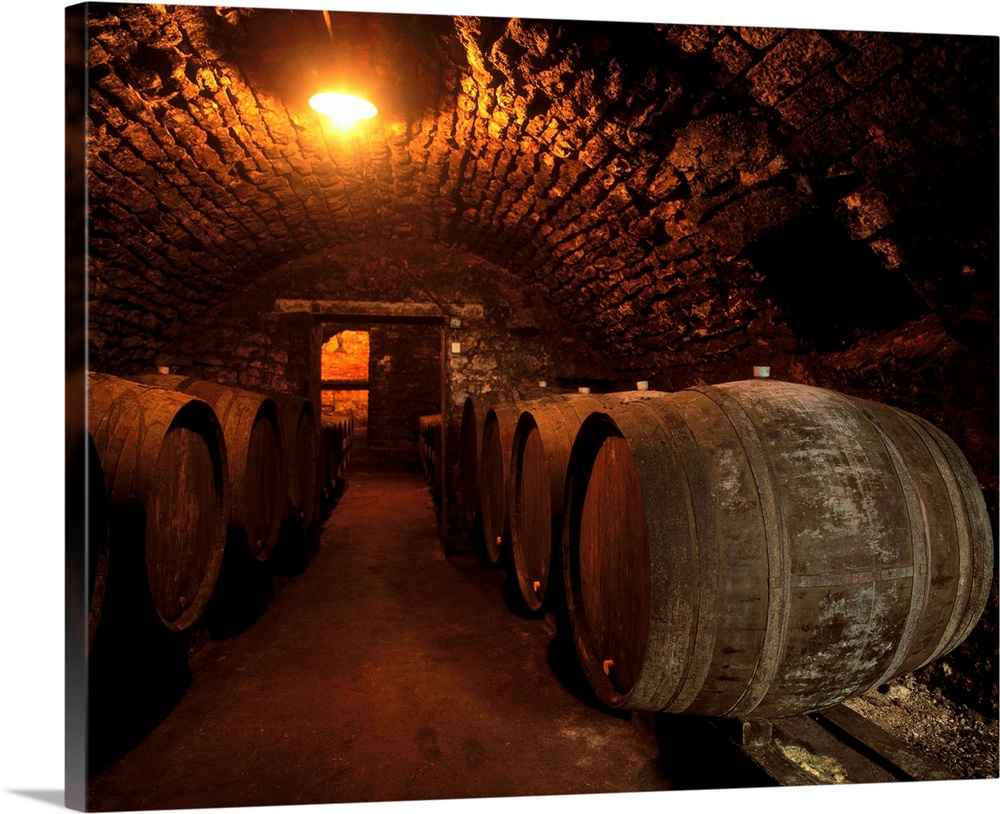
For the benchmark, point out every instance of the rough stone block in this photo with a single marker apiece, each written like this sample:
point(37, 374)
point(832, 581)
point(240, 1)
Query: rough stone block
point(813, 99)
point(789, 64)
point(876, 57)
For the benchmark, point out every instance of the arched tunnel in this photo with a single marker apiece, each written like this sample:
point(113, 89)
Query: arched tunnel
point(582, 204)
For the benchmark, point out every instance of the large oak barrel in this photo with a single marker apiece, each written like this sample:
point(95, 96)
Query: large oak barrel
point(252, 431)
point(300, 443)
point(541, 445)
point(495, 472)
point(761, 549)
point(163, 457)
point(498, 436)
point(474, 412)
point(430, 439)
point(337, 434)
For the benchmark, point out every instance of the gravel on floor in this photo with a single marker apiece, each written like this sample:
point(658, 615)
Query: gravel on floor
point(961, 739)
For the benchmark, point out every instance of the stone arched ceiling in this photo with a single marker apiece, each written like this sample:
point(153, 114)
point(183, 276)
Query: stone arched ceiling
point(674, 190)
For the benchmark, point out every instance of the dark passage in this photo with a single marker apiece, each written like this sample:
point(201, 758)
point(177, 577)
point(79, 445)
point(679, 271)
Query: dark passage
point(830, 296)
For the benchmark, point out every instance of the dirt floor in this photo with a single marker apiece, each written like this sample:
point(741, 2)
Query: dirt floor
point(382, 672)
point(959, 738)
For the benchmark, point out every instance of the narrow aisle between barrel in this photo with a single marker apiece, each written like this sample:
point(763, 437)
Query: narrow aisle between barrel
point(383, 672)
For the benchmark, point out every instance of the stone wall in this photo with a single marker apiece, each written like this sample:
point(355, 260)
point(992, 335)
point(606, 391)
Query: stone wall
point(345, 356)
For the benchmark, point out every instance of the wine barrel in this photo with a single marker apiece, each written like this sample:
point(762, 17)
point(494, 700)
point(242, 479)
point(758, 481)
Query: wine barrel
point(254, 449)
point(337, 439)
point(473, 416)
point(300, 435)
point(331, 451)
point(163, 456)
point(495, 470)
point(541, 445)
point(495, 449)
point(474, 412)
point(763, 549)
point(430, 439)
point(348, 438)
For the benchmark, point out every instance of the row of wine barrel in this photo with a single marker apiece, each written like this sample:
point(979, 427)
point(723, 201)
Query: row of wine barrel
point(749, 549)
point(337, 441)
point(430, 447)
point(513, 477)
point(194, 463)
point(474, 413)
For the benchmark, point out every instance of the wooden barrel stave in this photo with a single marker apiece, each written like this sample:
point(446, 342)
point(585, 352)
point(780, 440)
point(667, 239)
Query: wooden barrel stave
point(972, 527)
point(936, 579)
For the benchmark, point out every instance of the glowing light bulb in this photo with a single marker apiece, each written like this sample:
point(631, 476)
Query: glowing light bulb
point(343, 109)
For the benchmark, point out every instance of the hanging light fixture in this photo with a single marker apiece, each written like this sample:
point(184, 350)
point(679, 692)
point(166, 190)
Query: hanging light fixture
point(343, 109)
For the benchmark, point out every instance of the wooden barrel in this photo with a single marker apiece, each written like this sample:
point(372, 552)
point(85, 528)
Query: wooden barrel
point(541, 445)
point(254, 449)
point(495, 449)
point(300, 434)
point(762, 549)
point(330, 448)
point(337, 439)
point(474, 411)
point(495, 470)
point(425, 440)
point(473, 418)
point(163, 457)
point(430, 440)
point(348, 439)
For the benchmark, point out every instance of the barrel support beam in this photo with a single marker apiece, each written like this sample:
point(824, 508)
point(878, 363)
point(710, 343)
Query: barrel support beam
point(836, 745)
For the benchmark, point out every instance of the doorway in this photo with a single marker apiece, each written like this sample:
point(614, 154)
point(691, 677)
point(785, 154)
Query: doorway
point(389, 373)
point(344, 361)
